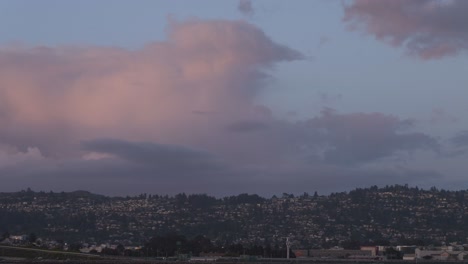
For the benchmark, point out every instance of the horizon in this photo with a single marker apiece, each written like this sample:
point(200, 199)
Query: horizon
point(230, 97)
point(277, 195)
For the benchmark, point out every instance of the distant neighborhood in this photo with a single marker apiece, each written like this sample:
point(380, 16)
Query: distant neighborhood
point(392, 222)
point(452, 252)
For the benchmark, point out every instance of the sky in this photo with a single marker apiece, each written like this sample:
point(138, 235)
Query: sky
point(228, 97)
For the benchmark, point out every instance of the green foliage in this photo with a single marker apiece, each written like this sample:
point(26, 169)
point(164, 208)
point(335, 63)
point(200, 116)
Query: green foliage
point(392, 253)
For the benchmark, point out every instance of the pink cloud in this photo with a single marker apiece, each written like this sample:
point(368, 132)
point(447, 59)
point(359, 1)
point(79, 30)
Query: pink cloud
point(429, 29)
point(148, 94)
point(176, 110)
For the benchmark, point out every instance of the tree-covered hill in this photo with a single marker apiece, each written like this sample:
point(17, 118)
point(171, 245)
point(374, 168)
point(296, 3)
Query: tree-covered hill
point(391, 214)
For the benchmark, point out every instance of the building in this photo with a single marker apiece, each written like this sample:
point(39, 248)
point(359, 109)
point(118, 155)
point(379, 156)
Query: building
point(373, 249)
point(338, 253)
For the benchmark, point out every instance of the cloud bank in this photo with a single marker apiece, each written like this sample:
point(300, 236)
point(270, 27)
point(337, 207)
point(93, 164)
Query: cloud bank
point(182, 115)
point(364, 137)
point(429, 29)
point(204, 66)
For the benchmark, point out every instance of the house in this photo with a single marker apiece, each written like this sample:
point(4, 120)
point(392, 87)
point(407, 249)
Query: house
point(6, 241)
point(440, 254)
point(20, 239)
point(301, 253)
point(409, 256)
point(373, 249)
point(338, 253)
point(453, 255)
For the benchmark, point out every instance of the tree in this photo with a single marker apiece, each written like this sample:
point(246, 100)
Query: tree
point(109, 251)
point(235, 250)
point(74, 247)
point(181, 199)
point(351, 244)
point(166, 245)
point(5, 235)
point(199, 244)
point(392, 253)
point(120, 249)
point(32, 238)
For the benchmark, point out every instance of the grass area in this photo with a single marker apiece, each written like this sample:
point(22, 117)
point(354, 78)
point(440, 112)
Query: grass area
point(32, 253)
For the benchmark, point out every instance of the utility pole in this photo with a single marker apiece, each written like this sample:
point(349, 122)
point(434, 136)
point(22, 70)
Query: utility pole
point(288, 245)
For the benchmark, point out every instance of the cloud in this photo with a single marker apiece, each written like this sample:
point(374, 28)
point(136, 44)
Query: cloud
point(167, 157)
point(246, 8)
point(118, 167)
point(439, 115)
point(134, 167)
point(457, 146)
point(67, 94)
point(288, 156)
point(429, 29)
point(363, 137)
point(11, 156)
point(247, 126)
point(461, 139)
point(328, 99)
point(323, 40)
point(180, 115)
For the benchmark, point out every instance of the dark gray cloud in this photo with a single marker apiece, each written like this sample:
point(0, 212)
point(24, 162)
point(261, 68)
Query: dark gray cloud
point(460, 139)
point(174, 159)
point(119, 167)
point(114, 176)
point(458, 145)
point(439, 115)
point(332, 178)
point(246, 8)
point(429, 29)
point(247, 126)
point(286, 156)
point(327, 98)
point(362, 137)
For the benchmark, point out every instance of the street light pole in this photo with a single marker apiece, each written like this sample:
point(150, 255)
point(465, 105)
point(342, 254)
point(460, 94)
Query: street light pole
point(288, 245)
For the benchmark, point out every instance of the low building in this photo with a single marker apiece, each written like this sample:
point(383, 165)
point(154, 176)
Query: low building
point(409, 256)
point(301, 253)
point(373, 249)
point(338, 253)
point(440, 254)
point(18, 239)
point(406, 249)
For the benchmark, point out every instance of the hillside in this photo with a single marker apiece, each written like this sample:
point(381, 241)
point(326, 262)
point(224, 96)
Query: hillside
point(393, 214)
